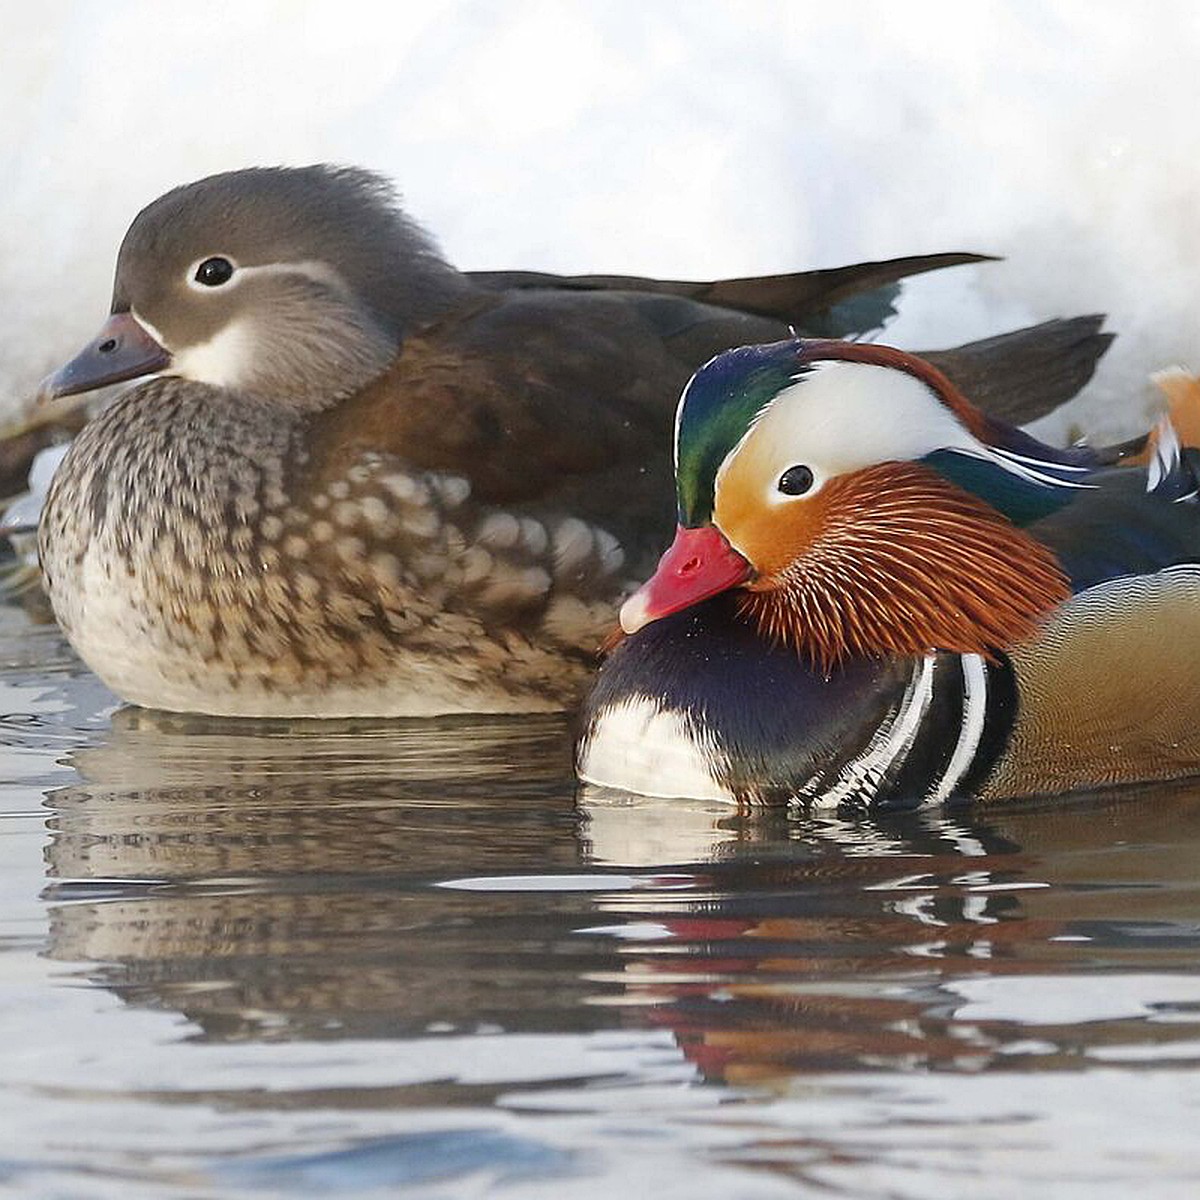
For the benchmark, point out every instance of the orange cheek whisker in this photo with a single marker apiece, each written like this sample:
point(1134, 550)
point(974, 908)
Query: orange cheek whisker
point(896, 560)
point(614, 637)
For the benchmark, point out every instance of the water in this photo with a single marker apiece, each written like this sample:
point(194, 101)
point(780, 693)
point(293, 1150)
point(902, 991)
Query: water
point(261, 960)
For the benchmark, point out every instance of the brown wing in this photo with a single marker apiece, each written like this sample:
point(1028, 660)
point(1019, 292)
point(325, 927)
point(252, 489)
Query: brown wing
point(559, 400)
point(554, 411)
point(794, 298)
point(548, 401)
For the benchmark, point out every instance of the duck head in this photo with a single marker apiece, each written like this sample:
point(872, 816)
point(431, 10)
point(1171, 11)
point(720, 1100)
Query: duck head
point(859, 502)
point(294, 284)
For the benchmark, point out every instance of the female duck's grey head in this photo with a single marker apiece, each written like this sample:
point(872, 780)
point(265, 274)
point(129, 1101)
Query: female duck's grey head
point(292, 283)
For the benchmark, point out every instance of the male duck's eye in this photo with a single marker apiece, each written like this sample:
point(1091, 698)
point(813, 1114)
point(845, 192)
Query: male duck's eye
point(795, 481)
point(213, 272)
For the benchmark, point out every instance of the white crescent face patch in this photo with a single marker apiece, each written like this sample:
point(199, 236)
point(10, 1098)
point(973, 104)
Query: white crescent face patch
point(842, 417)
point(222, 361)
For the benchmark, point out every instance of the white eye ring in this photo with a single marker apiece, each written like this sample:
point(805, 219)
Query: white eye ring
point(211, 272)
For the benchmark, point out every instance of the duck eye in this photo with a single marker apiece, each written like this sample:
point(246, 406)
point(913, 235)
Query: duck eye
point(795, 481)
point(213, 272)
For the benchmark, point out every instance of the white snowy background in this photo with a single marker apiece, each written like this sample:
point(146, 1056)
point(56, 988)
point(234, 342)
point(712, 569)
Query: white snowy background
point(690, 140)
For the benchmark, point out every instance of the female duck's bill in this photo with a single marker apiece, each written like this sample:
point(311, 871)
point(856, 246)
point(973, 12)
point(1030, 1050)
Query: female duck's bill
point(122, 350)
point(878, 595)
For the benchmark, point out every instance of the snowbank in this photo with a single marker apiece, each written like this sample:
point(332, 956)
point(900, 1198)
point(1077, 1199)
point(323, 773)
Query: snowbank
point(689, 140)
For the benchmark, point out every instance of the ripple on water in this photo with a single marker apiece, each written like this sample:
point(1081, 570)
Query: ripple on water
point(288, 958)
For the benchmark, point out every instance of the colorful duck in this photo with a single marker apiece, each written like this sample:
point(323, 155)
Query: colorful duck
point(879, 595)
point(366, 483)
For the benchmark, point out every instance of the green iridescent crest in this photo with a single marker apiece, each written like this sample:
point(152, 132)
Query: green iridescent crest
point(716, 409)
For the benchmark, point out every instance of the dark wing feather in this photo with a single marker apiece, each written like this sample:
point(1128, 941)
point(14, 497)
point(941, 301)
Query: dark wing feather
point(564, 400)
point(1026, 374)
point(797, 299)
point(1120, 529)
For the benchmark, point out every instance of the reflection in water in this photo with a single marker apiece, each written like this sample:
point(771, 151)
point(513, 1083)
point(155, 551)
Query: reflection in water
point(277, 882)
point(273, 880)
point(930, 943)
point(280, 960)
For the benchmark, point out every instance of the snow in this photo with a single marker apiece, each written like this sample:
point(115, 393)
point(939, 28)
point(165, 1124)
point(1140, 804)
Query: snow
point(687, 140)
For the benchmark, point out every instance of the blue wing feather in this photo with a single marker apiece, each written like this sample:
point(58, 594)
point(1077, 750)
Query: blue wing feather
point(1023, 498)
point(1103, 522)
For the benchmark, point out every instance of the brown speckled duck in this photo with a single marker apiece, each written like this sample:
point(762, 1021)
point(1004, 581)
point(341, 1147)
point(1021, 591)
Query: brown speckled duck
point(364, 483)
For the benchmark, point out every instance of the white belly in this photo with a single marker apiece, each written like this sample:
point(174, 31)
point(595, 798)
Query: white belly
point(636, 746)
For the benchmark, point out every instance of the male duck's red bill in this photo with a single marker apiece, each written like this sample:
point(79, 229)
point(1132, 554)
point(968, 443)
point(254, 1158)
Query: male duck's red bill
point(699, 564)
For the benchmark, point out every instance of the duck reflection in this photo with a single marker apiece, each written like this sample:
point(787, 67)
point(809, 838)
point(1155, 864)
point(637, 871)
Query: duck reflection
point(926, 942)
point(320, 881)
point(276, 879)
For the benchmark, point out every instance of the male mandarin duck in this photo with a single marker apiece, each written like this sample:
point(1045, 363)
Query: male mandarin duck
point(879, 595)
point(364, 483)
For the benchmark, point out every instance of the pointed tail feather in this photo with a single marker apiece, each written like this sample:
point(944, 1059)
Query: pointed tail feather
point(1160, 450)
point(796, 299)
point(1028, 373)
point(1170, 452)
point(1173, 445)
point(1182, 390)
point(799, 297)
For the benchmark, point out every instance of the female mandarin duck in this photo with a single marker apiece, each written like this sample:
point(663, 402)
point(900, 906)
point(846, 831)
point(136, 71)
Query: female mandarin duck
point(879, 595)
point(365, 483)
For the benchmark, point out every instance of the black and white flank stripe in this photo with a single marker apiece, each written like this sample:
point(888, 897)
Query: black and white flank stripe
point(938, 744)
point(888, 737)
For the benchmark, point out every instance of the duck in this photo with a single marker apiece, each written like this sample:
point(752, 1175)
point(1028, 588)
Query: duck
point(880, 597)
point(347, 479)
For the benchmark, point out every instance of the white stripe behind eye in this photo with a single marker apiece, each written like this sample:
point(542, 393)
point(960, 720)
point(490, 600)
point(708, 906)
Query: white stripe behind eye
point(1034, 462)
point(1015, 465)
point(314, 269)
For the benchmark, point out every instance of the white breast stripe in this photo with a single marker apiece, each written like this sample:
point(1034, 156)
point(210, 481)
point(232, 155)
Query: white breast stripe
point(974, 713)
point(860, 778)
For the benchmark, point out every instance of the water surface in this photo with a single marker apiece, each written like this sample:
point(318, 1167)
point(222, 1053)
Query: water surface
point(269, 959)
